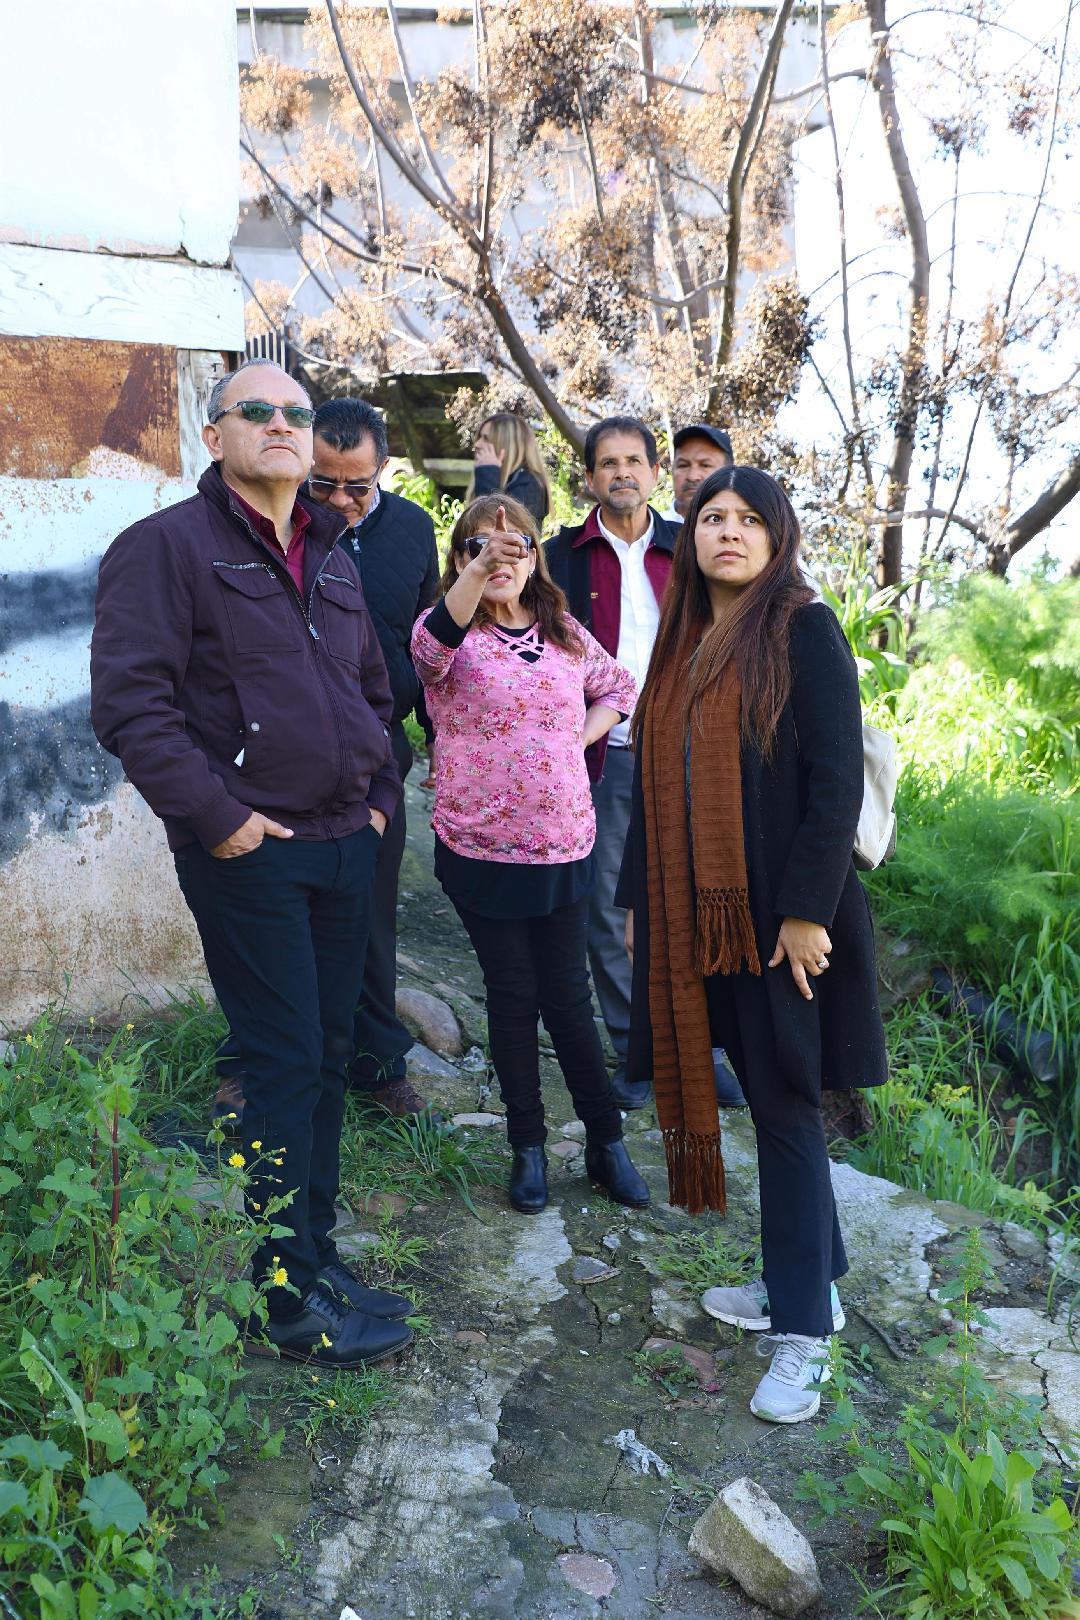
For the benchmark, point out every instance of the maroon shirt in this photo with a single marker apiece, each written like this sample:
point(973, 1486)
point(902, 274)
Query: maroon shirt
point(264, 528)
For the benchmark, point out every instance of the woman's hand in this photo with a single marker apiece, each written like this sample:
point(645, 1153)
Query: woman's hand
point(486, 455)
point(806, 946)
point(628, 934)
point(502, 547)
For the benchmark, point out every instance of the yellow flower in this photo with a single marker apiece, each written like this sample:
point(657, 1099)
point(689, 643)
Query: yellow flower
point(331, 1401)
point(256, 1146)
point(279, 1277)
point(237, 1161)
point(328, 1343)
point(34, 1277)
point(129, 1026)
point(279, 1161)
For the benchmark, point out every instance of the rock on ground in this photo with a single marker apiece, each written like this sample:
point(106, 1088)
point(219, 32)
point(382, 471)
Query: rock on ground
point(744, 1534)
point(421, 1063)
point(431, 1021)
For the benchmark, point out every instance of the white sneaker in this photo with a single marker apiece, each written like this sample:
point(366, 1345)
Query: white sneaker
point(790, 1391)
point(748, 1307)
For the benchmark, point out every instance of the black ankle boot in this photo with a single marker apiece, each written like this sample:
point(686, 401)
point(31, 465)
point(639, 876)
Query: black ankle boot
point(608, 1165)
point(528, 1180)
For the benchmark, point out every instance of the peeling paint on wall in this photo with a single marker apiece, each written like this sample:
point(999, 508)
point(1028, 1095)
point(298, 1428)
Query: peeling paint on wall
point(62, 398)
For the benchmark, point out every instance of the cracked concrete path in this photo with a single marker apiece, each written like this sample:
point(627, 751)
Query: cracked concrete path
point(491, 1487)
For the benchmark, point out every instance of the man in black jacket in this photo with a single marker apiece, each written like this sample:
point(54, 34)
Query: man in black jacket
point(392, 542)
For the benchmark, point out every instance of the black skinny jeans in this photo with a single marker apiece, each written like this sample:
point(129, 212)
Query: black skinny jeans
point(534, 967)
point(801, 1243)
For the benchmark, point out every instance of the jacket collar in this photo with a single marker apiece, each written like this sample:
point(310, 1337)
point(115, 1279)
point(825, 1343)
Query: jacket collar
point(324, 528)
point(662, 535)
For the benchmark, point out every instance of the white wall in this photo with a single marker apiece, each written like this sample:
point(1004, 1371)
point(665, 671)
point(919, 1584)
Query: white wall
point(118, 124)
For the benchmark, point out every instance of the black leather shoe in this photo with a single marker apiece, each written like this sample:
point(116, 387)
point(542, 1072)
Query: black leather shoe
point(608, 1166)
point(372, 1301)
point(326, 1334)
point(631, 1093)
point(528, 1189)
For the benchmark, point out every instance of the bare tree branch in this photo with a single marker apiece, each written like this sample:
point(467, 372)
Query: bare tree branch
point(738, 174)
point(857, 431)
point(899, 468)
point(1035, 518)
point(410, 96)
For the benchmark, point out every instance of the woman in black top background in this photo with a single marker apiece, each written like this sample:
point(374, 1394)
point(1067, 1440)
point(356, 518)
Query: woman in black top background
point(508, 460)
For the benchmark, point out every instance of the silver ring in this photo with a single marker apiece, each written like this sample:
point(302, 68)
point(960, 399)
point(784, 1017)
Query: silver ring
point(824, 962)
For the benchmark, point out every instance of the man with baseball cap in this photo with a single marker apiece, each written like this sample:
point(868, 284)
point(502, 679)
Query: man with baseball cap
point(696, 451)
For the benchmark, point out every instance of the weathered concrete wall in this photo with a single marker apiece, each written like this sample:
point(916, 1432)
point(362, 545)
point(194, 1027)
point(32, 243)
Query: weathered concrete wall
point(117, 306)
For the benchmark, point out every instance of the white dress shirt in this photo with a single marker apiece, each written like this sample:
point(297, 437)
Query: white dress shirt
point(639, 615)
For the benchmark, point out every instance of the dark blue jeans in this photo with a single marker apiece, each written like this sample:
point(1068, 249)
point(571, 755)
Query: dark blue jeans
point(284, 930)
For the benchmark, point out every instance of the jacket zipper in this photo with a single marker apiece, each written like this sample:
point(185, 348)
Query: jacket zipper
point(306, 611)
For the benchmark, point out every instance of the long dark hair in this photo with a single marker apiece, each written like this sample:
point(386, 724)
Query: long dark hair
point(756, 629)
point(541, 595)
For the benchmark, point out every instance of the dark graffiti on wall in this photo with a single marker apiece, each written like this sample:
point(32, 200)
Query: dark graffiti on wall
point(50, 762)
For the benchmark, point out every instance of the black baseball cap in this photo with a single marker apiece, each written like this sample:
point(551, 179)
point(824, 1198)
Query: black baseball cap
point(702, 430)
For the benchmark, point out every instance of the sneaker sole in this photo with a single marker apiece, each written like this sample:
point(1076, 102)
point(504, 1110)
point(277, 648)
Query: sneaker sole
point(761, 1324)
point(252, 1348)
point(791, 1417)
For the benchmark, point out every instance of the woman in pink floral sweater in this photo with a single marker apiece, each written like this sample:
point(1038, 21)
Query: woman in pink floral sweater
point(517, 690)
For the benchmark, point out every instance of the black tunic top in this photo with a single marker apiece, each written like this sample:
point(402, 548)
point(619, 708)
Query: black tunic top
point(800, 814)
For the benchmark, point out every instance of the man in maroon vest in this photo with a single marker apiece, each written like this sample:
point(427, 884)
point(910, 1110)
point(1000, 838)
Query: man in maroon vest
point(613, 568)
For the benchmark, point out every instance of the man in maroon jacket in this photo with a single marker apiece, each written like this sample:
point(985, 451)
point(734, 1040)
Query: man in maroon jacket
point(613, 568)
point(236, 674)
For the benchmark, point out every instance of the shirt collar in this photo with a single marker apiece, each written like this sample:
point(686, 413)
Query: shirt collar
point(263, 526)
point(376, 502)
point(616, 539)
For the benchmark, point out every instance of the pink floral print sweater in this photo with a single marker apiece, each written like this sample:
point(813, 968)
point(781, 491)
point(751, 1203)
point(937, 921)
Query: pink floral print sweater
point(511, 782)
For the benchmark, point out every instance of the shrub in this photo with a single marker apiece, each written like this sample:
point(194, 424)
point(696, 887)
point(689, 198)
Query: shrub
point(120, 1321)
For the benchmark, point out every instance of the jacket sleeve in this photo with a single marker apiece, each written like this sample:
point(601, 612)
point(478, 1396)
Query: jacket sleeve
point(138, 657)
point(487, 478)
point(385, 789)
point(428, 592)
point(828, 733)
point(606, 681)
point(525, 487)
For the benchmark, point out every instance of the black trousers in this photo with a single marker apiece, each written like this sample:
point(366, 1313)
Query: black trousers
point(534, 967)
point(380, 1039)
point(284, 930)
point(801, 1243)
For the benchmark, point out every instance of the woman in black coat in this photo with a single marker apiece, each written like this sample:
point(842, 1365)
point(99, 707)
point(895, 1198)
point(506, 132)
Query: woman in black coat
point(755, 683)
point(508, 460)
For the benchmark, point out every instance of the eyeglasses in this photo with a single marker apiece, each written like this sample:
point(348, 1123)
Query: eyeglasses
point(323, 488)
point(260, 410)
point(475, 544)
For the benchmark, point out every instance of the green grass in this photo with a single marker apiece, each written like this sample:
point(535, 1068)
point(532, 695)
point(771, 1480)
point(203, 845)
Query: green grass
point(939, 1126)
point(706, 1259)
point(414, 1158)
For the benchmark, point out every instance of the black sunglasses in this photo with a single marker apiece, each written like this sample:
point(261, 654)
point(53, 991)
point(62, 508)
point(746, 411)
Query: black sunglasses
point(475, 544)
point(259, 410)
point(323, 488)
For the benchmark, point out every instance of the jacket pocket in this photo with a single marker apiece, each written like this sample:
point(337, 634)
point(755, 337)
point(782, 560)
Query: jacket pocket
point(341, 625)
point(261, 616)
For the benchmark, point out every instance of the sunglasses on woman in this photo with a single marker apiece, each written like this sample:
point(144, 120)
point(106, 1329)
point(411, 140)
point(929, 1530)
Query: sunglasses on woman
point(260, 410)
point(475, 544)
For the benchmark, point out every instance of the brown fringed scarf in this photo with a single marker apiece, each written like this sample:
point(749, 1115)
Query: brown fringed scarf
point(693, 935)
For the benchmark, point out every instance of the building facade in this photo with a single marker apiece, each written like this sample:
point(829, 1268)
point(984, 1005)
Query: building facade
point(118, 305)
